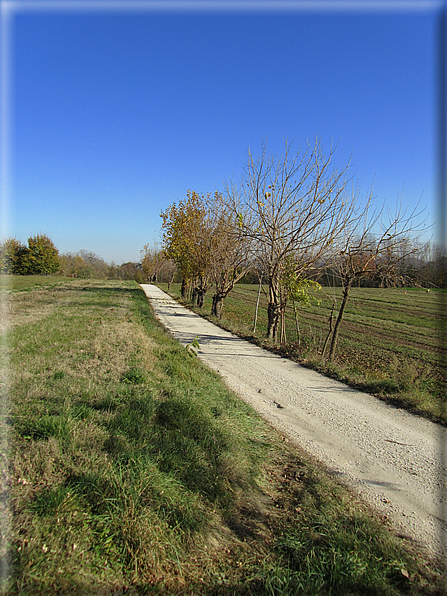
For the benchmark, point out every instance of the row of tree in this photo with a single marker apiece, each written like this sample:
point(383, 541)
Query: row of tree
point(292, 219)
point(88, 265)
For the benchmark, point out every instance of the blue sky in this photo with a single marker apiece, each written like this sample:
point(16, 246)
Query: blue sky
point(114, 114)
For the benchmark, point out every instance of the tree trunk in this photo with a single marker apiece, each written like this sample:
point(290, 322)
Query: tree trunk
point(298, 335)
point(184, 289)
point(171, 279)
point(283, 336)
point(273, 320)
point(217, 306)
point(200, 297)
point(273, 314)
point(331, 321)
point(257, 306)
point(341, 312)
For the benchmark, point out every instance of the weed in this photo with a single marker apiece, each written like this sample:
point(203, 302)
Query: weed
point(48, 501)
point(193, 347)
point(80, 411)
point(407, 373)
point(58, 375)
point(44, 427)
point(134, 376)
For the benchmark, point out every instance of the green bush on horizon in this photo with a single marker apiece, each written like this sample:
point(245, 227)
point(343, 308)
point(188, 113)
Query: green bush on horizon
point(40, 257)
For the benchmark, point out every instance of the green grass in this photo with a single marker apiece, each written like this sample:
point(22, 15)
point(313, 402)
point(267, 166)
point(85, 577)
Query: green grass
point(390, 345)
point(29, 282)
point(132, 469)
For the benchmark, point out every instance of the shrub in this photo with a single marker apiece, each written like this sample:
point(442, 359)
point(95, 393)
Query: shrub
point(40, 257)
point(10, 251)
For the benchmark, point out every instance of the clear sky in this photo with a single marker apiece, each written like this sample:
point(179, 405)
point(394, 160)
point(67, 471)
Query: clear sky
point(115, 112)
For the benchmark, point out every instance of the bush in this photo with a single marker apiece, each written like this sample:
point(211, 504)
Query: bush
point(40, 257)
point(10, 250)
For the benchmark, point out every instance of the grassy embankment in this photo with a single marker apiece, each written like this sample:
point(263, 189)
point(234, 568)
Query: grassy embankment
point(132, 469)
point(390, 342)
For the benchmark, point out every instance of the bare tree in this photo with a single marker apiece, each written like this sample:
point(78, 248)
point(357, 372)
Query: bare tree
point(168, 272)
point(373, 246)
point(293, 206)
point(229, 250)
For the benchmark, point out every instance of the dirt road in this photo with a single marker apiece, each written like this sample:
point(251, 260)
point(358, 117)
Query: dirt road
point(393, 459)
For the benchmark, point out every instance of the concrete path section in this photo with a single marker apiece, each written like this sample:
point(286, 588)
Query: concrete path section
point(393, 459)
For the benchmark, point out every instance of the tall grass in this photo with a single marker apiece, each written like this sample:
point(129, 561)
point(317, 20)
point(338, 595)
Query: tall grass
point(133, 470)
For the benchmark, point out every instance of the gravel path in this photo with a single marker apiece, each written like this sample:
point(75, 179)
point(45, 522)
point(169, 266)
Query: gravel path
point(393, 460)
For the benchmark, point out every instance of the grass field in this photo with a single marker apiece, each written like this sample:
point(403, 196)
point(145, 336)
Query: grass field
point(129, 468)
point(390, 343)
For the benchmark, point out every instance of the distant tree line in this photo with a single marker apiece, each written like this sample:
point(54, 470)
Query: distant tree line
point(88, 265)
point(424, 267)
point(41, 257)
